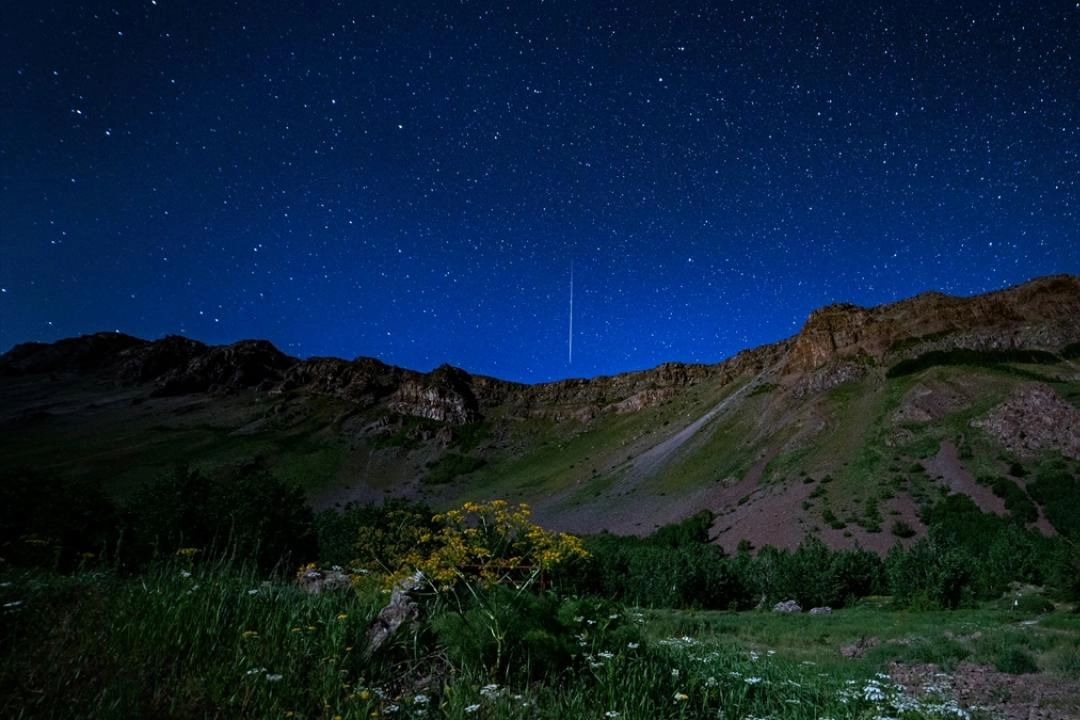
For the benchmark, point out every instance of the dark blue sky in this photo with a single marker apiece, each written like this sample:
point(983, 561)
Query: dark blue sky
point(413, 180)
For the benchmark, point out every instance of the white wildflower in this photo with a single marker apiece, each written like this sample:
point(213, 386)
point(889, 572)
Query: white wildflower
point(421, 699)
point(273, 677)
point(470, 709)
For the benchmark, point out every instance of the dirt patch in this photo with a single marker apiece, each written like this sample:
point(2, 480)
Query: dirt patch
point(770, 515)
point(947, 468)
point(1010, 697)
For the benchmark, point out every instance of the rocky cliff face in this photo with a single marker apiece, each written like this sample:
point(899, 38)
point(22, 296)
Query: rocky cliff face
point(1043, 314)
point(837, 344)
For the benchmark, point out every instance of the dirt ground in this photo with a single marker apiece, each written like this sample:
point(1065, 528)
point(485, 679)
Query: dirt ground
point(1034, 696)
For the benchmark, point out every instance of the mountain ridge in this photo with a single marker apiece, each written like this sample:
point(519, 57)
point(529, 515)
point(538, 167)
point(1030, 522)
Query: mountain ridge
point(890, 405)
point(831, 333)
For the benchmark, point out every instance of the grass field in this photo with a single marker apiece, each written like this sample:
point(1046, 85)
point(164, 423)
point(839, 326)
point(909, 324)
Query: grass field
point(190, 640)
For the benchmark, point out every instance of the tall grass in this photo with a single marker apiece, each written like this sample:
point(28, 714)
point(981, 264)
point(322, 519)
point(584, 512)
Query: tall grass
point(182, 641)
point(191, 640)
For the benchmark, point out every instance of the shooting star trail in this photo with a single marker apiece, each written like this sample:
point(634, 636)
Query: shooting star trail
point(570, 358)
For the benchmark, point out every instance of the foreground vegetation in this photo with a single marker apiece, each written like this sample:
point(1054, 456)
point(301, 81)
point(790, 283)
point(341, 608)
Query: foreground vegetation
point(185, 603)
point(199, 639)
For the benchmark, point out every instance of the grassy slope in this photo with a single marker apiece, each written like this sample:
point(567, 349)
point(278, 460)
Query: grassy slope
point(849, 434)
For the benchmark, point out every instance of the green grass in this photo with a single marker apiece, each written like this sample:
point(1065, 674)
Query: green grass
point(987, 635)
point(188, 640)
point(191, 641)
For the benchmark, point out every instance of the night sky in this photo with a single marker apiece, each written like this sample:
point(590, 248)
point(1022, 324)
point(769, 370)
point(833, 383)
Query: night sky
point(414, 181)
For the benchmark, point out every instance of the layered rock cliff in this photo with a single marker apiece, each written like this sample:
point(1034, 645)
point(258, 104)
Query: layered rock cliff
point(1043, 314)
point(838, 343)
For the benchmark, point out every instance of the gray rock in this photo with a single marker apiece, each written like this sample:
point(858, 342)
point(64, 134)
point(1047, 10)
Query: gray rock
point(826, 610)
point(400, 610)
point(317, 580)
point(788, 606)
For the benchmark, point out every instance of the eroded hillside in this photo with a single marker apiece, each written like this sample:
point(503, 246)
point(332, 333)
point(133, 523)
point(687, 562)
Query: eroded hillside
point(846, 430)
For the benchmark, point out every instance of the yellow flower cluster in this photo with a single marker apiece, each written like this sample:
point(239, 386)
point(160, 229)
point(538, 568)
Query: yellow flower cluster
point(487, 543)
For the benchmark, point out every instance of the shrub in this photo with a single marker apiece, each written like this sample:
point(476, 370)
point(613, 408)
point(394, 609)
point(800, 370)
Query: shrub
point(931, 574)
point(450, 466)
point(47, 521)
point(246, 512)
point(831, 520)
point(1056, 489)
point(482, 544)
point(902, 530)
point(1017, 501)
point(1015, 661)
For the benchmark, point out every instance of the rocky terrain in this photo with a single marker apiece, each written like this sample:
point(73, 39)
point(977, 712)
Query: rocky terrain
point(822, 432)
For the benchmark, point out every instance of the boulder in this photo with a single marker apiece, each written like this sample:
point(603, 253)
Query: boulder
point(788, 606)
point(315, 580)
point(401, 609)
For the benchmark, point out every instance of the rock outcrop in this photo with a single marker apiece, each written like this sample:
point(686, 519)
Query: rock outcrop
point(444, 395)
point(79, 354)
point(788, 607)
point(1034, 419)
point(1043, 314)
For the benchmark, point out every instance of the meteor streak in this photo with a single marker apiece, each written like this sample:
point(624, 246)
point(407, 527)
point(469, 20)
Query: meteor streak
point(570, 358)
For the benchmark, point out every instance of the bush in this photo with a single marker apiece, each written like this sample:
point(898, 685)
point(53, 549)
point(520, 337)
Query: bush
point(1027, 605)
point(338, 530)
point(450, 466)
point(1015, 661)
point(46, 521)
point(902, 530)
point(1017, 501)
point(518, 637)
point(1056, 489)
point(246, 512)
point(931, 574)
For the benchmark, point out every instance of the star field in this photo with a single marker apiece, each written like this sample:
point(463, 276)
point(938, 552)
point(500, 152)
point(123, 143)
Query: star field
point(413, 180)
